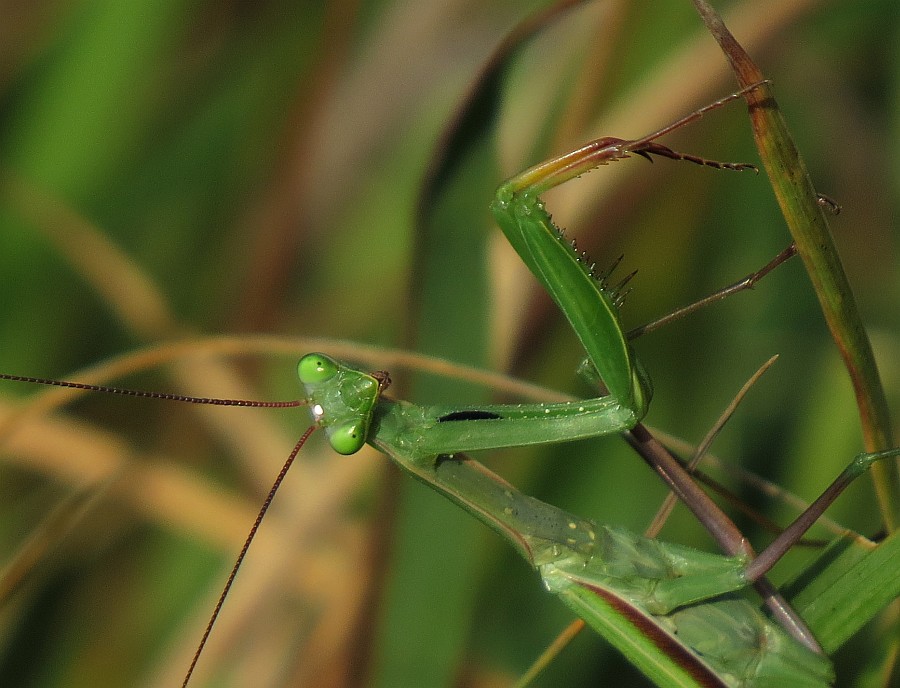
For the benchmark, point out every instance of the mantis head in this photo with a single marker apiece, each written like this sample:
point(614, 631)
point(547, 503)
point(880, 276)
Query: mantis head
point(341, 399)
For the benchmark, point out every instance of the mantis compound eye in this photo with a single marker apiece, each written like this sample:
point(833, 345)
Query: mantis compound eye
point(315, 369)
point(347, 438)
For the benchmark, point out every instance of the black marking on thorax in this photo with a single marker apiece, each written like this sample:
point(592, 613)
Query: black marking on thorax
point(469, 414)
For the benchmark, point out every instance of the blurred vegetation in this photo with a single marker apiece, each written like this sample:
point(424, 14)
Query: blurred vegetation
point(177, 170)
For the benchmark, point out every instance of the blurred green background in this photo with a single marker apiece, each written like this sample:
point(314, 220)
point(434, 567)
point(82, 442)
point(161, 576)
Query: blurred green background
point(177, 170)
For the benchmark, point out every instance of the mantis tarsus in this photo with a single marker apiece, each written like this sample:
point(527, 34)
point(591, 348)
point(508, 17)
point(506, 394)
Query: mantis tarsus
point(664, 606)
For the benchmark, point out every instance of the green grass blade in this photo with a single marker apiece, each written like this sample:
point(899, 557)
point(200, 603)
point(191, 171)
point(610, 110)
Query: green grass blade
point(850, 588)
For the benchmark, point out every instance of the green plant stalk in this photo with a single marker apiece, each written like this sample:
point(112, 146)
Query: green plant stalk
point(807, 223)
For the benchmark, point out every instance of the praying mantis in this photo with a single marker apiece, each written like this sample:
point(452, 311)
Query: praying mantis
point(667, 607)
point(599, 493)
point(424, 442)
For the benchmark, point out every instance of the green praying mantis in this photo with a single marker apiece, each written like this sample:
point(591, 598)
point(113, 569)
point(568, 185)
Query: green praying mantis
point(634, 591)
point(670, 609)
